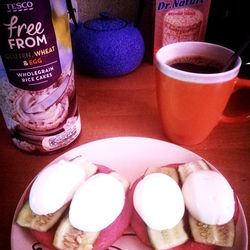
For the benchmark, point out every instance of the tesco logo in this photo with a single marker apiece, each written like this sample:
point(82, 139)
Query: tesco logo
point(19, 6)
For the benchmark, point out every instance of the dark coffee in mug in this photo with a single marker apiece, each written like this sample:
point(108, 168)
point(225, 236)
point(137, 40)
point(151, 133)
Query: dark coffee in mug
point(196, 64)
point(192, 104)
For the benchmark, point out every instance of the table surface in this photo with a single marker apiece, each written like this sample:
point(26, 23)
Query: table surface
point(126, 106)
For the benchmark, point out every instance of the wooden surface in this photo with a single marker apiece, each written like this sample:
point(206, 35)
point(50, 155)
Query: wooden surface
point(125, 106)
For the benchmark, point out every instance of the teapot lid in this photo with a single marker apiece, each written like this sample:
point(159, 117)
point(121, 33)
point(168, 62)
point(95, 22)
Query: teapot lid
point(105, 23)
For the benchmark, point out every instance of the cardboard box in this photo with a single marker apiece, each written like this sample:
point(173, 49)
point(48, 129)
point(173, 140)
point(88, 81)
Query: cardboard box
point(180, 20)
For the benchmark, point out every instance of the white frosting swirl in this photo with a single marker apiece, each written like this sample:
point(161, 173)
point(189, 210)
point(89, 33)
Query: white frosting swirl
point(41, 121)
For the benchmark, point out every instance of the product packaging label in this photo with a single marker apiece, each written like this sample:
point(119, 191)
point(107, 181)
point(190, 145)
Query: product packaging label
point(180, 20)
point(30, 52)
point(37, 93)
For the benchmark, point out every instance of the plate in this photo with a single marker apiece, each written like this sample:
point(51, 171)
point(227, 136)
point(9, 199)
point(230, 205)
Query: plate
point(130, 156)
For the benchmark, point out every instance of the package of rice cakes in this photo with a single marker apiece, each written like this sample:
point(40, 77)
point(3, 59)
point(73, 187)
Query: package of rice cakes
point(180, 20)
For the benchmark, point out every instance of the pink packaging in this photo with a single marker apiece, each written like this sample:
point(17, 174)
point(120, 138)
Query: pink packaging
point(37, 88)
point(180, 20)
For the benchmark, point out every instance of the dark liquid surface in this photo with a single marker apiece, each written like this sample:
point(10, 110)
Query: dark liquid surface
point(195, 68)
point(196, 65)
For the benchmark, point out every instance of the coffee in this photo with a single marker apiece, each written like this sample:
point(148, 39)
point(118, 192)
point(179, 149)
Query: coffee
point(196, 64)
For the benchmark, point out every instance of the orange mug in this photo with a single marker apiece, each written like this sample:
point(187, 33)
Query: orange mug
point(191, 91)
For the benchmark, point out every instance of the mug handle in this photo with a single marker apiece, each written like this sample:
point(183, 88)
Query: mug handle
point(240, 83)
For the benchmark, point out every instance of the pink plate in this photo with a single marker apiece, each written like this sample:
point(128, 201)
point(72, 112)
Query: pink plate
point(130, 156)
